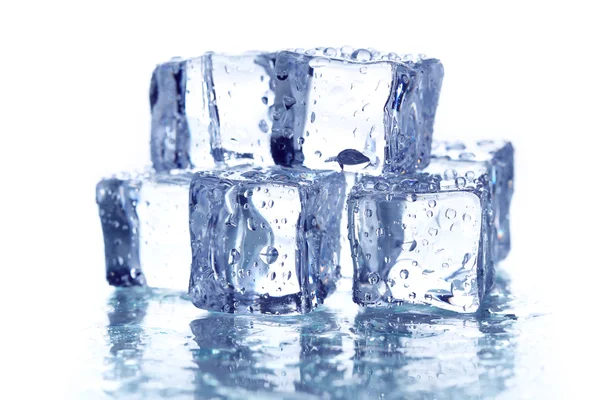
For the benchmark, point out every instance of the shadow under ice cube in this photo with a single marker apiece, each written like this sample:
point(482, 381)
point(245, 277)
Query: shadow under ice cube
point(383, 106)
point(414, 241)
point(264, 240)
point(146, 233)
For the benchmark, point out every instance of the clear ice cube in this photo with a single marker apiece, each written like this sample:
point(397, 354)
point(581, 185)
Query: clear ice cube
point(211, 111)
point(415, 241)
point(354, 110)
point(460, 163)
point(146, 232)
point(264, 240)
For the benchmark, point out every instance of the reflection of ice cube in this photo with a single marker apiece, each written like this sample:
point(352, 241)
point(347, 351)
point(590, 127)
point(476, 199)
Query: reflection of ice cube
point(264, 240)
point(211, 110)
point(146, 233)
point(460, 163)
point(368, 113)
point(239, 352)
point(415, 242)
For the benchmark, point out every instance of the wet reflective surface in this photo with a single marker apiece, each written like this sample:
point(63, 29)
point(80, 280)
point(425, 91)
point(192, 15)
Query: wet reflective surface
point(155, 344)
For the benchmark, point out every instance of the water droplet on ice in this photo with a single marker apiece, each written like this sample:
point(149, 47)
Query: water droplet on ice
point(450, 213)
point(374, 278)
point(234, 256)
point(432, 231)
point(431, 203)
point(450, 174)
point(404, 274)
point(269, 254)
point(361, 55)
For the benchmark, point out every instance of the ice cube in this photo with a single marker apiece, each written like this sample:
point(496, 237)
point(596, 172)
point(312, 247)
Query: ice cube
point(460, 163)
point(211, 111)
point(415, 241)
point(357, 111)
point(264, 240)
point(146, 232)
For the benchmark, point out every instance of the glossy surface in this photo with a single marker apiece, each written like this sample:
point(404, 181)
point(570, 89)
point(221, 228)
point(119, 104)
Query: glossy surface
point(145, 226)
point(265, 240)
point(461, 163)
point(155, 344)
point(382, 105)
point(416, 242)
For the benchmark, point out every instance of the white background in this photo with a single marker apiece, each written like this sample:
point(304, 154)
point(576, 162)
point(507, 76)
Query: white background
point(74, 84)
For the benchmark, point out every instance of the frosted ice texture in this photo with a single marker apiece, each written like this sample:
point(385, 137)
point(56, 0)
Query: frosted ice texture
point(211, 111)
point(463, 162)
point(415, 241)
point(355, 110)
point(145, 226)
point(264, 240)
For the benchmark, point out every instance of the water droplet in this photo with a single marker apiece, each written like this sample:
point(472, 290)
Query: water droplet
point(234, 257)
point(412, 295)
point(391, 282)
point(429, 213)
point(373, 278)
point(330, 51)
point(363, 70)
point(466, 156)
point(445, 265)
point(368, 256)
point(318, 153)
point(312, 117)
point(425, 242)
point(269, 254)
point(450, 174)
point(231, 220)
point(433, 231)
point(242, 290)
point(361, 55)
point(368, 213)
point(411, 197)
point(386, 259)
point(367, 296)
point(288, 102)
point(288, 275)
point(409, 246)
point(262, 125)
point(404, 274)
point(460, 182)
point(428, 297)
point(271, 203)
point(379, 232)
point(470, 176)
point(273, 275)
point(389, 197)
point(381, 186)
point(432, 203)
point(450, 213)
point(120, 260)
point(248, 193)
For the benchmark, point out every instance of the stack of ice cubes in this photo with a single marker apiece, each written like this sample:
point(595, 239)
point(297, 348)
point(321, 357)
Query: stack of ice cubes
point(251, 157)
